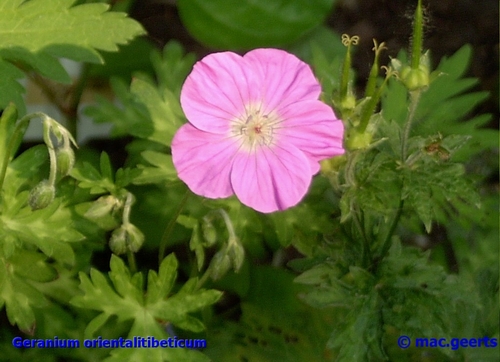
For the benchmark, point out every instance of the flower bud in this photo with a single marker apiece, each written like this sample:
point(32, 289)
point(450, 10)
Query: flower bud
point(65, 159)
point(41, 195)
point(102, 206)
point(357, 140)
point(220, 264)
point(126, 238)
point(209, 233)
point(415, 79)
point(334, 164)
point(236, 253)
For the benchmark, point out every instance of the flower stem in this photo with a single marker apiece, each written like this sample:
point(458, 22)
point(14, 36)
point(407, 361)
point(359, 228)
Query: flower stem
point(170, 227)
point(414, 99)
point(131, 261)
point(417, 37)
point(204, 278)
point(388, 239)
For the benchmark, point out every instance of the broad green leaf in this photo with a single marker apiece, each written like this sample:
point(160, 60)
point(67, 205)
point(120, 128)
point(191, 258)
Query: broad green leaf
point(33, 266)
point(246, 24)
point(19, 298)
point(57, 27)
point(34, 33)
point(10, 89)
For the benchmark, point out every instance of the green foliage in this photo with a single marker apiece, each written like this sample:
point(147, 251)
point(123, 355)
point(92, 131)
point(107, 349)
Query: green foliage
point(34, 33)
point(356, 285)
point(126, 301)
point(445, 105)
point(273, 326)
point(247, 24)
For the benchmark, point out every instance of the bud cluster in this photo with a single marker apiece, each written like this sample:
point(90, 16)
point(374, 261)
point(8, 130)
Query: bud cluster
point(62, 160)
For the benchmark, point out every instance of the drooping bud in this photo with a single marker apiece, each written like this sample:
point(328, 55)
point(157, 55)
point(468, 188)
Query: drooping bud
point(102, 206)
point(65, 159)
point(220, 264)
point(126, 238)
point(41, 195)
point(236, 253)
point(209, 232)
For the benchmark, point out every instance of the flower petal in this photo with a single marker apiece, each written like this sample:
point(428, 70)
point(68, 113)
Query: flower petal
point(203, 161)
point(313, 128)
point(271, 179)
point(282, 78)
point(216, 91)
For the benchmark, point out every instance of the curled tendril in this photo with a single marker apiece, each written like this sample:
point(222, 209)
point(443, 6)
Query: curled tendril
point(377, 48)
point(349, 40)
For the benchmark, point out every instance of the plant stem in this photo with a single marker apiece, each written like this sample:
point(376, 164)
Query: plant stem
point(204, 278)
point(414, 99)
point(388, 239)
point(170, 227)
point(131, 262)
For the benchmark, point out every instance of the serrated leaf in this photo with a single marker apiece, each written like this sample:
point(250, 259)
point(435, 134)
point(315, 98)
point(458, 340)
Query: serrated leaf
point(160, 285)
point(123, 282)
point(164, 110)
point(124, 298)
point(163, 171)
point(49, 25)
point(245, 24)
point(106, 168)
point(36, 32)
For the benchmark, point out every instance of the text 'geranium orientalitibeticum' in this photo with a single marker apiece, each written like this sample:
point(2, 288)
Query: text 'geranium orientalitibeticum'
point(257, 129)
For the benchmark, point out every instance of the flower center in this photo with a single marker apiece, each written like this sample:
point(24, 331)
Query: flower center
point(255, 128)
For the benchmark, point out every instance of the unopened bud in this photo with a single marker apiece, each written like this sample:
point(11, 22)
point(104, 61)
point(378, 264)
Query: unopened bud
point(334, 164)
point(65, 158)
point(236, 253)
point(126, 238)
point(415, 79)
point(209, 233)
point(220, 264)
point(41, 195)
point(357, 140)
point(102, 206)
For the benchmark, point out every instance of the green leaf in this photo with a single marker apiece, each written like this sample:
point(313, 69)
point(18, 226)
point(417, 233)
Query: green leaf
point(124, 299)
point(31, 265)
point(161, 284)
point(245, 24)
point(164, 170)
point(163, 108)
point(443, 107)
point(54, 26)
point(35, 33)
point(19, 298)
point(7, 125)
point(10, 89)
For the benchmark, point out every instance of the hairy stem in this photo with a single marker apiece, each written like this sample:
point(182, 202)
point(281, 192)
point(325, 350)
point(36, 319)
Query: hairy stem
point(414, 99)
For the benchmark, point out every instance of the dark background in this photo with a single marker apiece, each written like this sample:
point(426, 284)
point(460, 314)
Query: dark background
point(449, 25)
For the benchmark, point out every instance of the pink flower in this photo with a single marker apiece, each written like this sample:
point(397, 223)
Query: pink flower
point(256, 129)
